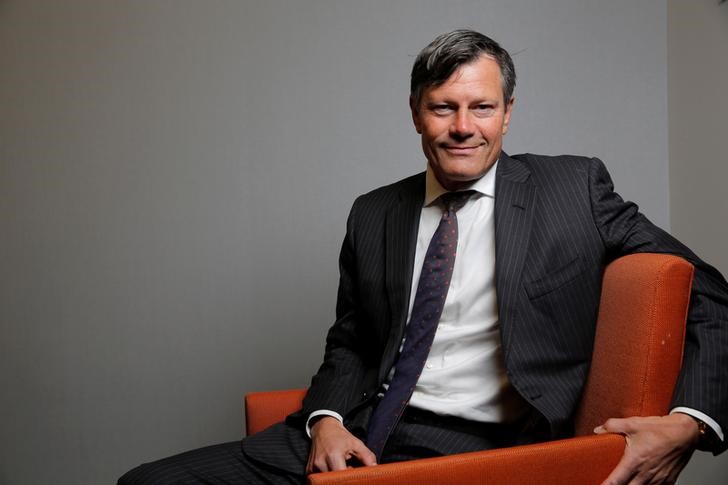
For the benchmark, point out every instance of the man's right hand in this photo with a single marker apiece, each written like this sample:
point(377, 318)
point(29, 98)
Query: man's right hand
point(332, 446)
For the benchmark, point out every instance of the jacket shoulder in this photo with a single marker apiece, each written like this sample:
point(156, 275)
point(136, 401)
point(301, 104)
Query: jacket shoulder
point(538, 164)
point(387, 195)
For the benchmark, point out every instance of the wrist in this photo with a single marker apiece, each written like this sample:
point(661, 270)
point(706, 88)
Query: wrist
point(314, 416)
point(322, 421)
point(702, 433)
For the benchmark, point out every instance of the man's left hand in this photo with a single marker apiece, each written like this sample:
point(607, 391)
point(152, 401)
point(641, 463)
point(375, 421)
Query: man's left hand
point(657, 449)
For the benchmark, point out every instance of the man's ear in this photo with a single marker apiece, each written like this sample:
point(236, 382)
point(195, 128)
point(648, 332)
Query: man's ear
point(415, 115)
point(507, 114)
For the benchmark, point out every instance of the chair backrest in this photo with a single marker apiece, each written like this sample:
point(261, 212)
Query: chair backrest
point(639, 339)
point(263, 409)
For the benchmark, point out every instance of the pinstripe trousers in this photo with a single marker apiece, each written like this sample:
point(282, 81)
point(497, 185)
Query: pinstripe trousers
point(286, 452)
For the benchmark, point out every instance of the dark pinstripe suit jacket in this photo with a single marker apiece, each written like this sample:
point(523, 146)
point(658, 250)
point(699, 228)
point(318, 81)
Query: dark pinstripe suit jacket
point(558, 223)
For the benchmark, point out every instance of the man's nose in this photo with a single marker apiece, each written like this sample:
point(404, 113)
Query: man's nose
point(462, 126)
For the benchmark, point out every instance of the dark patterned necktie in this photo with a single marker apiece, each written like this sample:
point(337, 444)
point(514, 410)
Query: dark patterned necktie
point(426, 311)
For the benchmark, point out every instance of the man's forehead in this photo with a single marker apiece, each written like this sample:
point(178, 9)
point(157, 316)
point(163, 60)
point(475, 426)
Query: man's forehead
point(488, 71)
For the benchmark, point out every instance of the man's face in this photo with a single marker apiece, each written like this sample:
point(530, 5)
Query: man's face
point(462, 123)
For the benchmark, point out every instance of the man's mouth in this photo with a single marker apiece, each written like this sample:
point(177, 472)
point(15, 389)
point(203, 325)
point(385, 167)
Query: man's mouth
point(461, 149)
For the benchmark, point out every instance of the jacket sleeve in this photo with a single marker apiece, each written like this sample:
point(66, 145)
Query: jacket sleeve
point(624, 230)
point(336, 385)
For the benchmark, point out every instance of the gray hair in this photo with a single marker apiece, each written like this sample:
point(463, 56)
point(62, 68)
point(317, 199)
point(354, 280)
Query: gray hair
point(448, 52)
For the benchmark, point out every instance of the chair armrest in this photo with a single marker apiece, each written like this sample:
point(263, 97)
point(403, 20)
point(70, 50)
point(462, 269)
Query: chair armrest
point(584, 460)
point(263, 409)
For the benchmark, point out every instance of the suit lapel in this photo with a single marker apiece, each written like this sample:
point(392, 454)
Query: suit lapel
point(401, 237)
point(514, 207)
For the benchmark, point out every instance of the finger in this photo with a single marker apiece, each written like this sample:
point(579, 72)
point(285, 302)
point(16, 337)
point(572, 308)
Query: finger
point(365, 455)
point(309, 463)
point(318, 461)
point(623, 472)
point(318, 465)
point(310, 468)
point(335, 461)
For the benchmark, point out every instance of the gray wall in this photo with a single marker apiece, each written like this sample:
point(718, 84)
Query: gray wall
point(698, 116)
point(697, 35)
point(175, 178)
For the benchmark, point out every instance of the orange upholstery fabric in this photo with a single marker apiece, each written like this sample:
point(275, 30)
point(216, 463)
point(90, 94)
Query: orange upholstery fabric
point(585, 460)
point(637, 357)
point(639, 340)
point(263, 409)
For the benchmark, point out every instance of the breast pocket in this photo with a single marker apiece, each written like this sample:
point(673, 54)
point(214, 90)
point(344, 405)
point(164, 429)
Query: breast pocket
point(555, 279)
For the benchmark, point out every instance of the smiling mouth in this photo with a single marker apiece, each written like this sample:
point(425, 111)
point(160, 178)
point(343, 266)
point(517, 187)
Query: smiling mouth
point(461, 150)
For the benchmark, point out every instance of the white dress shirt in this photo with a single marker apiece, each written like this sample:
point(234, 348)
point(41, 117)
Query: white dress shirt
point(464, 374)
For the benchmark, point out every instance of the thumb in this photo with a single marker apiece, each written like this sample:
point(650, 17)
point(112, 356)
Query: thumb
point(612, 425)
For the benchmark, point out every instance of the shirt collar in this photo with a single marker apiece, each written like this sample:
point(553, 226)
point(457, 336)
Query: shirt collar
point(485, 185)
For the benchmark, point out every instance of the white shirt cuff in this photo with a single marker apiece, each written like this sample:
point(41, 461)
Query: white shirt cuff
point(701, 416)
point(325, 412)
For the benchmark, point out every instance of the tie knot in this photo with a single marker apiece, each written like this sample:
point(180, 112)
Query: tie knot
point(454, 201)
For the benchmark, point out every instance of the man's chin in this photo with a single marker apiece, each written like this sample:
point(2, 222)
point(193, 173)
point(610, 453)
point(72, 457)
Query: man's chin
point(459, 180)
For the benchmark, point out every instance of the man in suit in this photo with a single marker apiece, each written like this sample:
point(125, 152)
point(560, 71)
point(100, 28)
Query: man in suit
point(491, 264)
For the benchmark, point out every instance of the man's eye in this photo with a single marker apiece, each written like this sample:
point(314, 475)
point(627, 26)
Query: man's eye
point(442, 109)
point(484, 108)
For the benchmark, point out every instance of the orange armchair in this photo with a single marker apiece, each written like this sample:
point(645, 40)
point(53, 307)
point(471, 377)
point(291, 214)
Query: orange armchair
point(636, 360)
